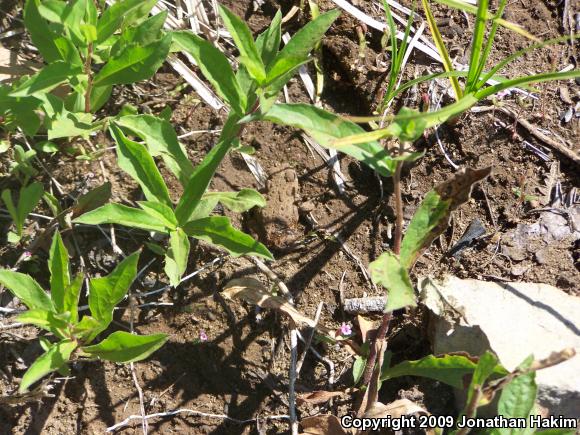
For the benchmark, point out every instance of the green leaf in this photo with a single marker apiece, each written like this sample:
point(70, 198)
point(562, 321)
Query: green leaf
point(160, 212)
point(431, 214)
point(268, 42)
point(388, 272)
point(67, 124)
point(449, 369)
point(123, 347)
point(407, 129)
point(122, 12)
point(99, 96)
point(203, 173)
point(40, 32)
point(71, 297)
point(134, 63)
point(325, 127)
point(242, 36)
point(52, 10)
point(442, 49)
point(238, 202)
point(58, 266)
point(92, 199)
point(147, 32)
point(122, 215)
point(87, 329)
point(56, 357)
point(218, 231)
point(47, 79)
point(161, 140)
point(44, 319)
point(517, 399)
point(26, 289)
point(177, 256)
point(484, 369)
point(214, 67)
point(105, 293)
point(12, 210)
point(301, 44)
point(134, 159)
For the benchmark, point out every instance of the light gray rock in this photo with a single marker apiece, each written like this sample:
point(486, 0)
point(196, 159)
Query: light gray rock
point(514, 320)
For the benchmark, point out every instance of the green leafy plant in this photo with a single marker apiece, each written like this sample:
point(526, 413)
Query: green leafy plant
point(264, 69)
point(484, 379)
point(28, 199)
point(90, 48)
point(57, 312)
point(190, 217)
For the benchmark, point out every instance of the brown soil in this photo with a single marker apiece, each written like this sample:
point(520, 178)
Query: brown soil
point(242, 370)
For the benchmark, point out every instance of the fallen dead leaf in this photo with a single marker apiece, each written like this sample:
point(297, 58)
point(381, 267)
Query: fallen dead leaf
point(254, 292)
point(395, 409)
point(365, 326)
point(317, 397)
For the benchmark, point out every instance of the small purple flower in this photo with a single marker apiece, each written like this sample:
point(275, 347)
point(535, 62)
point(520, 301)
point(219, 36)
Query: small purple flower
point(345, 329)
point(202, 336)
point(27, 254)
point(503, 94)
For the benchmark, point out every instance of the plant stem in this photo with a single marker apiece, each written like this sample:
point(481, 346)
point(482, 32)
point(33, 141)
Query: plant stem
point(386, 320)
point(89, 74)
point(398, 209)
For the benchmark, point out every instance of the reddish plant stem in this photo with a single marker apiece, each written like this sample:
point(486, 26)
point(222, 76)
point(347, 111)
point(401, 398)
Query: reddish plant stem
point(383, 329)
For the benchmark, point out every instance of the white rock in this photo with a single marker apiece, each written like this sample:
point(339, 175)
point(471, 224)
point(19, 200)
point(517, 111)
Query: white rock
point(514, 320)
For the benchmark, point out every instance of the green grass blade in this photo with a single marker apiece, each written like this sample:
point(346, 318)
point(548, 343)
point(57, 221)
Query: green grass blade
point(525, 80)
point(441, 48)
point(483, 60)
point(488, 16)
point(520, 53)
point(477, 43)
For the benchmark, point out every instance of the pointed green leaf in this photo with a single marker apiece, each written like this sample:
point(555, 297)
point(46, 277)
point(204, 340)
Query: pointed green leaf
point(137, 162)
point(484, 369)
point(105, 293)
point(134, 63)
point(239, 202)
point(177, 256)
point(214, 66)
point(124, 11)
point(218, 231)
point(301, 44)
point(87, 329)
point(160, 212)
point(56, 357)
point(161, 140)
point(325, 127)
point(203, 173)
point(449, 369)
point(28, 200)
point(268, 42)
point(244, 41)
point(59, 272)
point(432, 212)
point(44, 319)
point(47, 79)
point(123, 347)
point(388, 272)
point(122, 215)
point(71, 297)
point(42, 36)
point(517, 399)
point(26, 289)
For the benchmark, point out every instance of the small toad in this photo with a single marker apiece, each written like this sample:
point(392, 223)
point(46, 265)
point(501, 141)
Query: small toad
point(276, 224)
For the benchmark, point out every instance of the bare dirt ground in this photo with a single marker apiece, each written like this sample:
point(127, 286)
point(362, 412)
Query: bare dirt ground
point(242, 370)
